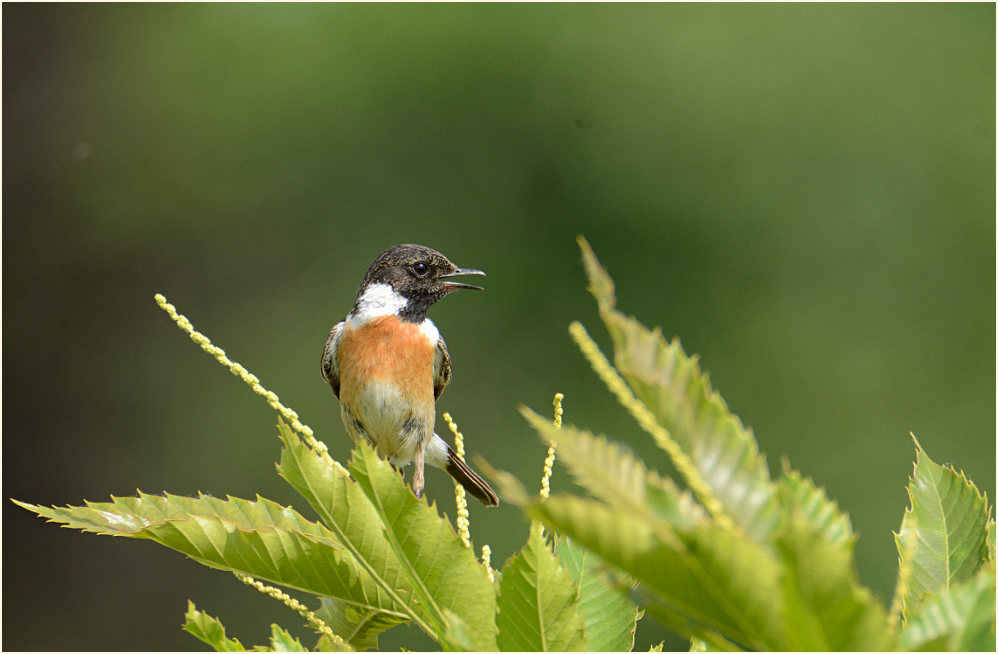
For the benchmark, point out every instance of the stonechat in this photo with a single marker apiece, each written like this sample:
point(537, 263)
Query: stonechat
point(387, 364)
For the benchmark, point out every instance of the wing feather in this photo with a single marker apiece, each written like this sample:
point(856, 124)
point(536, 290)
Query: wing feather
point(330, 367)
point(441, 368)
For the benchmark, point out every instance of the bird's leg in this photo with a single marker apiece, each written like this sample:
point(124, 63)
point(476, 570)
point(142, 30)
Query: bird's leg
point(417, 476)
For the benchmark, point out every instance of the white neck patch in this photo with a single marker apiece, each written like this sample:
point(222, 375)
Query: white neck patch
point(430, 331)
point(377, 300)
point(382, 300)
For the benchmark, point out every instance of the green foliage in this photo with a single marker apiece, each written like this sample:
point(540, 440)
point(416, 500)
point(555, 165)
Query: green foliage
point(407, 561)
point(810, 503)
point(671, 385)
point(379, 556)
point(944, 533)
point(282, 641)
point(946, 577)
point(261, 538)
point(961, 618)
point(826, 608)
point(612, 473)
point(357, 625)
point(740, 560)
point(538, 601)
point(746, 560)
point(609, 615)
point(209, 630)
point(375, 558)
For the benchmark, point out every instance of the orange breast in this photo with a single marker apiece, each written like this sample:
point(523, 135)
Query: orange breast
point(387, 349)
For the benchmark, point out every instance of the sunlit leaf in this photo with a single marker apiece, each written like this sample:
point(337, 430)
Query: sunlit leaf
point(359, 626)
point(959, 619)
point(943, 538)
point(261, 538)
point(385, 577)
point(613, 474)
point(670, 383)
point(457, 634)
point(444, 573)
point(412, 560)
point(609, 615)
point(810, 503)
point(380, 584)
point(209, 630)
point(538, 609)
point(705, 578)
point(826, 607)
point(282, 641)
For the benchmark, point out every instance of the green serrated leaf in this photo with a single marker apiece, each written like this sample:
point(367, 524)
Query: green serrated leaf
point(613, 474)
point(943, 538)
point(133, 516)
point(537, 602)
point(959, 619)
point(415, 563)
point(712, 642)
point(282, 641)
point(209, 630)
point(358, 626)
point(600, 283)
point(261, 539)
point(822, 515)
point(826, 608)
point(707, 639)
point(327, 644)
point(706, 578)
point(444, 574)
point(672, 386)
point(609, 615)
point(347, 512)
point(458, 633)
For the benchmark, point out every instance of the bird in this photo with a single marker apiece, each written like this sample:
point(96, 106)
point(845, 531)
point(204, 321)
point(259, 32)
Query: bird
point(388, 364)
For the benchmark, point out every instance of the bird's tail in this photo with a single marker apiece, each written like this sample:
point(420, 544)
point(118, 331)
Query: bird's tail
point(470, 479)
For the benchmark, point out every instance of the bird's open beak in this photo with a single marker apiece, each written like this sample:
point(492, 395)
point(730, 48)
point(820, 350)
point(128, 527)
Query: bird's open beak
point(461, 271)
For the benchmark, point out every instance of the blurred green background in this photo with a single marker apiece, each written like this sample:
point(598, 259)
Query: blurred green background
point(805, 194)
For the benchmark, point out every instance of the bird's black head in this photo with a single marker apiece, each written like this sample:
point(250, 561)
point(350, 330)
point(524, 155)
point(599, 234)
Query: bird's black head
point(419, 274)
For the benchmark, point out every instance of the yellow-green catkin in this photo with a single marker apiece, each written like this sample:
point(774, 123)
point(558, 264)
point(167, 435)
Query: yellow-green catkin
point(463, 519)
point(313, 620)
point(646, 419)
point(252, 380)
point(549, 461)
point(487, 562)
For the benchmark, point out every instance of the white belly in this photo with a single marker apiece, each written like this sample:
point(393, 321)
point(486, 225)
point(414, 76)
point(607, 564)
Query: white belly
point(382, 415)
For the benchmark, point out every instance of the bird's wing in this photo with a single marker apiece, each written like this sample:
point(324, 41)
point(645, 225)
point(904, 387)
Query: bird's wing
point(441, 368)
point(330, 368)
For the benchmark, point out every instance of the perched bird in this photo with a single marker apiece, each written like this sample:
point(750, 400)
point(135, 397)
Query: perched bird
point(387, 364)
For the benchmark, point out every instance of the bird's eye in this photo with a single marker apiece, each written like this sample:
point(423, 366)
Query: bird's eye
point(420, 269)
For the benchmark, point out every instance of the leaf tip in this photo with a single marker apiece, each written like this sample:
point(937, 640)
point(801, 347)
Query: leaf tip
point(600, 283)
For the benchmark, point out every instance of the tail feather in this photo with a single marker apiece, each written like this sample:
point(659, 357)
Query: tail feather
point(470, 479)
